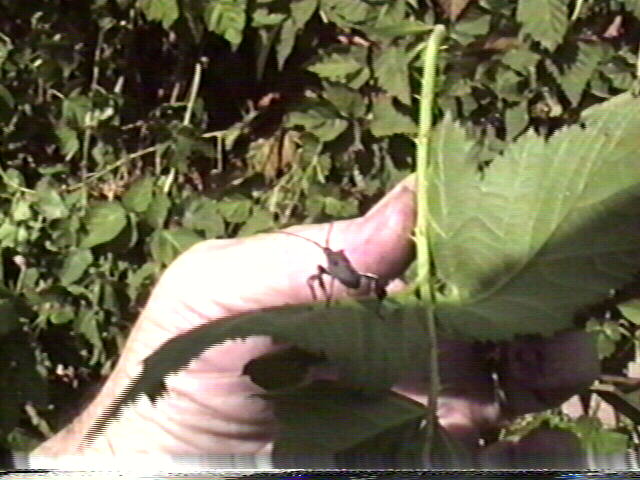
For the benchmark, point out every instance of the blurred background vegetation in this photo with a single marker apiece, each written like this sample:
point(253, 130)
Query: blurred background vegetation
point(132, 129)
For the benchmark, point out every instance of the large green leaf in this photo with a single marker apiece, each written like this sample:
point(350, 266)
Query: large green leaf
point(544, 20)
point(552, 226)
point(354, 336)
point(340, 418)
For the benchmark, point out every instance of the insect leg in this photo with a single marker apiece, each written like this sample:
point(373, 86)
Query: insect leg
point(317, 277)
point(332, 283)
point(378, 285)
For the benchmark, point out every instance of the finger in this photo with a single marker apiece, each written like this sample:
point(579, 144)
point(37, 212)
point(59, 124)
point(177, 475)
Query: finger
point(379, 243)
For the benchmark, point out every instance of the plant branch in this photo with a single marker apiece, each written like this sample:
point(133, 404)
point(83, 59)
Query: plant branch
point(195, 86)
point(576, 10)
point(425, 287)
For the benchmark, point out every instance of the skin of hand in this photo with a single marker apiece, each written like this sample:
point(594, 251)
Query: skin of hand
point(210, 406)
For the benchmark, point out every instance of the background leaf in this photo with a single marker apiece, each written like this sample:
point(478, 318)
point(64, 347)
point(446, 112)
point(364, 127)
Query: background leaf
point(574, 79)
point(75, 265)
point(388, 120)
point(226, 18)
point(545, 20)
point(164, 11)
point(139, 195)
point(168, 244)
point(103, 222)
point(392, 72)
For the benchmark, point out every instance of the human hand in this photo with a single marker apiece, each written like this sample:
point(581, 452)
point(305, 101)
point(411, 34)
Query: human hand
point(210, 407)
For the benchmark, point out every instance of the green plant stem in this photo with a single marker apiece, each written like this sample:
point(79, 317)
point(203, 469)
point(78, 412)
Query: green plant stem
point(576, 10)
point(122, 161)
point(423, 253)
point(195, 86)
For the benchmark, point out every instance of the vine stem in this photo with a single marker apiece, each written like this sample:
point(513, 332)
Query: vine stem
point(576, 10)
point(193, 92)
point(423, 253)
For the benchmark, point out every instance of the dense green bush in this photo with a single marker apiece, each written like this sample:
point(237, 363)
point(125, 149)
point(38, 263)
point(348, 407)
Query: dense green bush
point(131, 130)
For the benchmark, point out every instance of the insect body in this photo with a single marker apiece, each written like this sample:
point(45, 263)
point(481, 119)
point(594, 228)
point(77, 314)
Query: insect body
point(339, 268)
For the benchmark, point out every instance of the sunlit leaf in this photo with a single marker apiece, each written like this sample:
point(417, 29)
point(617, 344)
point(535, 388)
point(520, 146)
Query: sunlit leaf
point(388, 120)
point(164, 11)
point(346, 100)
point(346, 13)
point(516, 118)
point(286, 40)
point(49, 202)
point(301, 11)
point(544, 20)
point(631, 310)
point(68, 139)
point(235, 209)
point(392, 72)
point(633, 6)
point(520, 59)
point(226, 18)
point(549, 229)
point(204, 215)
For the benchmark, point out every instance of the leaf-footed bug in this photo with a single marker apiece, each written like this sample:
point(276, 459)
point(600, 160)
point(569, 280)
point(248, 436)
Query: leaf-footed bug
point(339, 268)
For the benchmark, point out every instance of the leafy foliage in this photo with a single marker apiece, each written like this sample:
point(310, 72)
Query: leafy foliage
point(545, 21)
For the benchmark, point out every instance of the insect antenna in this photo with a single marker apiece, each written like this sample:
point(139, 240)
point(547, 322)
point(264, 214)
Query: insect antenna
point(303, 238)
point(326, 242)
